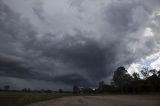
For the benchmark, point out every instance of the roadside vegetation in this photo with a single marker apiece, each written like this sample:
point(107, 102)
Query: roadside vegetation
point(22, 98)
point(145, 82)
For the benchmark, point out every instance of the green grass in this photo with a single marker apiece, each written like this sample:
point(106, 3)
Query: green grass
point(21, 99)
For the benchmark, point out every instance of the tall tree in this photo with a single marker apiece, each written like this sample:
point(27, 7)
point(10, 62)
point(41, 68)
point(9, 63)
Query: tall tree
point(121, 79)
point(136, 76)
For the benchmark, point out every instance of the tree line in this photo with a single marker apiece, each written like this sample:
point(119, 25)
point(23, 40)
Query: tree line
point(147, 81)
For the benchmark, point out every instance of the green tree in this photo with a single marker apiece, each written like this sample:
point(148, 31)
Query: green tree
point(136, 76)
point(118, 76)
point(145, 72)
point(121, 79)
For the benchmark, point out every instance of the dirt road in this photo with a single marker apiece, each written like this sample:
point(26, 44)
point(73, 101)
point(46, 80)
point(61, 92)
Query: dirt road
point(110, 100)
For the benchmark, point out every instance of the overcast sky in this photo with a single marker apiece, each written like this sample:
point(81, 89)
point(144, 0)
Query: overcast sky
point(53, 44)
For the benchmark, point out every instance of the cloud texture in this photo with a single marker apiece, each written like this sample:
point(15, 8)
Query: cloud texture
point(67, 42)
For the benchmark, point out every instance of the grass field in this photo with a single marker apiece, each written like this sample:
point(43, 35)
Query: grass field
point(21, 99)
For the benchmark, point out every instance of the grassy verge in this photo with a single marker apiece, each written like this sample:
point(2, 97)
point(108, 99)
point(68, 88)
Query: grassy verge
point(21, 99)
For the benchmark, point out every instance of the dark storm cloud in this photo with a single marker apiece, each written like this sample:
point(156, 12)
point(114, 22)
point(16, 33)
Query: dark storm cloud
point(23, 50)
point(10, 68)
point(13, 68)
point(73, 79)
point(81, 52)
point(89, 57)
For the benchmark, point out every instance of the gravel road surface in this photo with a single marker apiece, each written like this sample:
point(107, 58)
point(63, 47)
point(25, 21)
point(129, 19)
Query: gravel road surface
point(110, 100)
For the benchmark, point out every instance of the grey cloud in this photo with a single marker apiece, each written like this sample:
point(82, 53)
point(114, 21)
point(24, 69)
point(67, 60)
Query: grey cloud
point(14, 69)
point(74, 79)
point(80, 57)
point(119, 16)
point(38, 10)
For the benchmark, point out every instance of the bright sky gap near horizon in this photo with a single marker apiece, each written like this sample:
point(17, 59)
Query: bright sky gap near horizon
point(51, 44)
